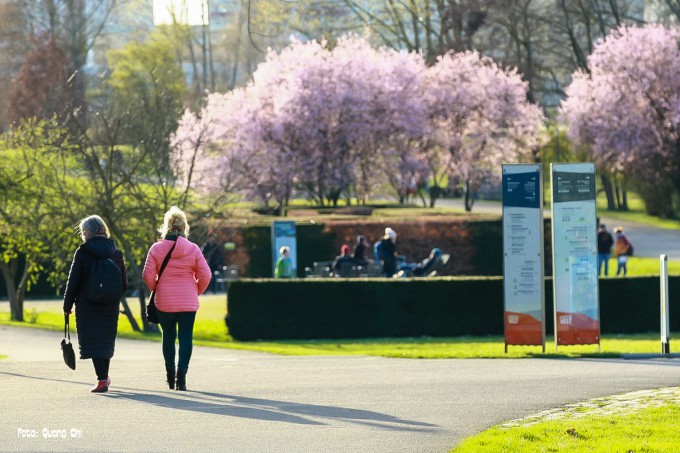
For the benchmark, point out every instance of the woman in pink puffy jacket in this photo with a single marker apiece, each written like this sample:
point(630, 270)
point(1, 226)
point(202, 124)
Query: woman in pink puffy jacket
point(186, 275)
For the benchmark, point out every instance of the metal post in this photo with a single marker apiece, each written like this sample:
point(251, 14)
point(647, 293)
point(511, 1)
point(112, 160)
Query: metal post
point(665, 321)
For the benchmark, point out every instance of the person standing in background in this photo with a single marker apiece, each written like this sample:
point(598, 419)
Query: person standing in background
point(388, 252)
point(359, 254)
point(211, 253)
point(284, 265)
point(604, 249)
point(623, 249)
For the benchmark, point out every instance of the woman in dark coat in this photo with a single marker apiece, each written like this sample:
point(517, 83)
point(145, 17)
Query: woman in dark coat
point(96, 323)
point(388, 252)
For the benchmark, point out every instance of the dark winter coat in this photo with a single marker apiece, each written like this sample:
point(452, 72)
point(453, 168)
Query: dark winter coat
point(388, 252)
point(604, 242)
point(360, 254)
point(97, 325)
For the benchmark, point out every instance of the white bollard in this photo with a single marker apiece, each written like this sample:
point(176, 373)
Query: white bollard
point(665, 318)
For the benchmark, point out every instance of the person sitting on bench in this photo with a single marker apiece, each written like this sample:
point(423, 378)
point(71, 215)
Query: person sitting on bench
point(344, 257)
point(423, 268)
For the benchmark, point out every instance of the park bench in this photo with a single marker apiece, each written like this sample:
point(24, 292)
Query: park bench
point(224, 276)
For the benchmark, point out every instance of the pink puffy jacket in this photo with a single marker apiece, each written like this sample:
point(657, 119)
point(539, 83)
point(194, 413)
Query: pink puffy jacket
point(185, 277)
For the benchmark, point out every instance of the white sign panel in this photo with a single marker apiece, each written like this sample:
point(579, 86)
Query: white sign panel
point(523, 255)
point(574, 244)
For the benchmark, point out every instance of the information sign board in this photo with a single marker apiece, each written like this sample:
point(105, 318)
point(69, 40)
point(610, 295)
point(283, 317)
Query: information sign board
point(523, 255)
point(574, 247)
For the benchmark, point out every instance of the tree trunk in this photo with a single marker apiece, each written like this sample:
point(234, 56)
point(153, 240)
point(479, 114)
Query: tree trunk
point(624, 198)
point(469, 196)
point(14, 293)
point(421, 194)
point(434, 194)
point(127, 312)
point(608, 191)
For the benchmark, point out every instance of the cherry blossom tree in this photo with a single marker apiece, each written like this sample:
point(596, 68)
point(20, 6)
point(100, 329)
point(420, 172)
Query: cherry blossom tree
point(331, 123)
point(627, 110)
point(313, 120)
point(479, 115)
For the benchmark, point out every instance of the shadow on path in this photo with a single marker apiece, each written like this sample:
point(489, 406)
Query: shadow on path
point(38, 378)
point(270, 410)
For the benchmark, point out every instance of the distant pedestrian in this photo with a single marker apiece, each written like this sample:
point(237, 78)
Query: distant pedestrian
point(388, 252)
point(212, 254)
point(186, 276)
point(604, 249)
point(96, 322)
point(623, 249)
point(359, 254)
point(284, 265)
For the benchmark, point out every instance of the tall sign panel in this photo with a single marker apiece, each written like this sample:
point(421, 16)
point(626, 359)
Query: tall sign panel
point(523, 282)
point(574, 245)
point(284, 233)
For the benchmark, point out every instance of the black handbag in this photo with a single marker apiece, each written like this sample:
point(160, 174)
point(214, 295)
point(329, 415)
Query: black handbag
point(151, 311)
point(67, 347)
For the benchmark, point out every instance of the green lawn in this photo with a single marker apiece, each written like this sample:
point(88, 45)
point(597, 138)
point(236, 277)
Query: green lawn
point(210, 330)
point(645, 421)
point(636, 213)
point(644, 266)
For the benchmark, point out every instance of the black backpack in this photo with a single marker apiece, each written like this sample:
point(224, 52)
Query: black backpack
point(104, 283)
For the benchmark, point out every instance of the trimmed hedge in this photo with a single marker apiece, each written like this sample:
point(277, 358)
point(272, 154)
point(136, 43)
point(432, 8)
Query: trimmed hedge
point(475, 245)
point(363, 308)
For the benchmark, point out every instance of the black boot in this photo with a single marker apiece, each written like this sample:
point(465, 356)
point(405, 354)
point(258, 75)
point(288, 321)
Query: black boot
point(170, 373)
point(181, 379)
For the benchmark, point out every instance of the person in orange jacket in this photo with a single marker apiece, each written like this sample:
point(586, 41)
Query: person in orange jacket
point(623, 249)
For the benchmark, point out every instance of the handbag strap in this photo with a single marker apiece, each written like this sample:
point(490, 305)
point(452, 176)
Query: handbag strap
point(67, 328)
point(165, 263)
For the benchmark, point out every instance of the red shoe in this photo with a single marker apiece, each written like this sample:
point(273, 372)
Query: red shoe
point(101, 387)
point(108, 381)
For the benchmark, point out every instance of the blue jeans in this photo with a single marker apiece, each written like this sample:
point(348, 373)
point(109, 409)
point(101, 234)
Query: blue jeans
point(603, 258)
point(171, 323)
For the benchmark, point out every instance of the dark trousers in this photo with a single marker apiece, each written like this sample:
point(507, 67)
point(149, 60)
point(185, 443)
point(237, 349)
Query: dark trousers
point(101, 367)
point(177, 325)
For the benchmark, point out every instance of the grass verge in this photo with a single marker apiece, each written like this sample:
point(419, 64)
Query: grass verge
point(636, 213)
point(643, 267)
point(644, 421)
point(210, 330)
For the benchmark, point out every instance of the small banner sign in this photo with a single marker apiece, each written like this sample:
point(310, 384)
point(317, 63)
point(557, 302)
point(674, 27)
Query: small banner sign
point(284, 233)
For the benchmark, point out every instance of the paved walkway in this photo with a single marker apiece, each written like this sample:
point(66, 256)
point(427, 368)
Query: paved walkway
point(649, 242)
point(253, 402)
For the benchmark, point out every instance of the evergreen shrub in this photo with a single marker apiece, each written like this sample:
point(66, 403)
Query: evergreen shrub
point(270, 309)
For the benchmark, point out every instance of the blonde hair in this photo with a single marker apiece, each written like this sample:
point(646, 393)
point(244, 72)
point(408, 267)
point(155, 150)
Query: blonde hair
point(174, 221)
point(284, 249)
point(92, 226)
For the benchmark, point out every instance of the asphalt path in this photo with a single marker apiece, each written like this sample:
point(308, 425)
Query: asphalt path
point(649, 241)
point(241, 401)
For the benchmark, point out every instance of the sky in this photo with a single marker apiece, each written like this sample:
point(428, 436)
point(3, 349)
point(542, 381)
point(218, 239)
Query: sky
point(189, 12)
